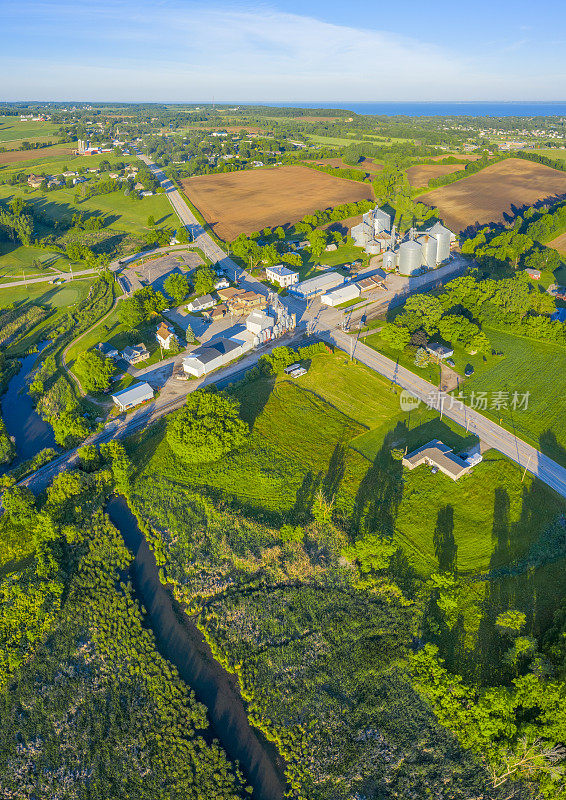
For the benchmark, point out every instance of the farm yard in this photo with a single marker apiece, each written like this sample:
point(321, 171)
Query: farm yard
point(421, 174)
point(247, 201)
point(496, 193)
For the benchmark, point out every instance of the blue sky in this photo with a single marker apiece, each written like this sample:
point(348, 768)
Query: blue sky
point(180, 50)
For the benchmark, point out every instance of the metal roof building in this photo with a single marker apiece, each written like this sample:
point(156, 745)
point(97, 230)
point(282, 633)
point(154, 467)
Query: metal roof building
point(318, 285)
point(133, 396)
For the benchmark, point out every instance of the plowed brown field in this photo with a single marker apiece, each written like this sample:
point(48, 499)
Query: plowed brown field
point(15, 156)
point(421, 174)
point(249, 200)
point(496, 194)
point(559, 243)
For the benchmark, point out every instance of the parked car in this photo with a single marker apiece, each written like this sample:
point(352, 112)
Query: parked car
point(469, 371)
point(450, 362)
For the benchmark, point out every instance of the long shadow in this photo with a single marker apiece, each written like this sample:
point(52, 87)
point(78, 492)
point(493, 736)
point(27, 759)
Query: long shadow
point(445, 547)
point(550, 446)
point(379, 495)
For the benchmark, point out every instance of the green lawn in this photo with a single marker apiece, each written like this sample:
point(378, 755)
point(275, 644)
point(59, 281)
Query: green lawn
point(332, 140)
point(20, 262)
point(550, 152)
point(13, 131)
point(299, 430)
point(534, 367)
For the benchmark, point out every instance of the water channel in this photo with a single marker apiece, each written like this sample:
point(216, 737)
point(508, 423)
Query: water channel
point(30, 432)
point(180, 641)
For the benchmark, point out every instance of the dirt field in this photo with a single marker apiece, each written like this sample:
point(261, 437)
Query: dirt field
point(559, 243)
point(496, 194)
point(15, 156)
point(249, 200)
point(421, 174)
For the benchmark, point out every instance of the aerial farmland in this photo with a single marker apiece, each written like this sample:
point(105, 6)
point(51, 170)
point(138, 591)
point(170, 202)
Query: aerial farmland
point(246, 201)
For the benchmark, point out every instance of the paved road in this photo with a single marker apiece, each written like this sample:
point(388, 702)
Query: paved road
point(200, 237)
point(65, 276)
point(172, 396)
point(490, 432)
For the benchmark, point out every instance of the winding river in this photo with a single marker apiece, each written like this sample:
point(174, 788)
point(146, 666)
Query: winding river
point(30, 432)
point(180, 641)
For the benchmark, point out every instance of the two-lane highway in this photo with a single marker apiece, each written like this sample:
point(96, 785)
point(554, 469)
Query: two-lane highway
point(201, 238)
point(489, 432)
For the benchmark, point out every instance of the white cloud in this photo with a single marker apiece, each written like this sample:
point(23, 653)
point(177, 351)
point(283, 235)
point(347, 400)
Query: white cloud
point(193, 52)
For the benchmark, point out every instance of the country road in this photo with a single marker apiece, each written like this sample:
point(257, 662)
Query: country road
point(201, 238)
point(325, 323)
point(490, 432)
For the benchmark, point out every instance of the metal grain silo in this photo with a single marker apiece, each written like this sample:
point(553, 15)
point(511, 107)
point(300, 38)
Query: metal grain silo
point(443, 238)
point(381, 220)
point(389, 260)
point(430, 247)
point(410, 257)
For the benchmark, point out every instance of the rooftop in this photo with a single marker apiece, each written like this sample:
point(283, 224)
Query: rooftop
point(134, 394)
point(439, 455)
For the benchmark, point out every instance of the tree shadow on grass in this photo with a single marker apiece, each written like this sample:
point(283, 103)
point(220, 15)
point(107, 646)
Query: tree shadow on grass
point(550, 446)
point(379, 495)
point(445, 547)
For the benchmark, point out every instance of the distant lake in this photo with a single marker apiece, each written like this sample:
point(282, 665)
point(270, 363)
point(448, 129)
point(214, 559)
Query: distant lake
point(438, 108)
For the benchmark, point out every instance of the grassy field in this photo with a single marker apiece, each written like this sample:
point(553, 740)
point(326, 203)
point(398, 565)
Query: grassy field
point(126, 214)
point(555, 153)
point(534, 367)
point(330, 425)
point(519, 365)
point(332, 141)
point(55, 165)
point(13, 131)
point(17, 262)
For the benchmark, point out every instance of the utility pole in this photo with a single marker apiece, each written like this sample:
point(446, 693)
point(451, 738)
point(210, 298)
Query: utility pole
point(526, 468)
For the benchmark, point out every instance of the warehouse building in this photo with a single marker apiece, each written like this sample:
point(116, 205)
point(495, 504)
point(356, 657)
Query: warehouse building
point(341, 295)
point(133, 396)
point(319, 285)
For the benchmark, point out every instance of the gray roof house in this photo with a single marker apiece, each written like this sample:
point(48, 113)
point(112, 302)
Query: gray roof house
point(201, 303)
point(440, 351)
point(108, 351)
point(133, 396)
point(320, 284)
point(436, 454)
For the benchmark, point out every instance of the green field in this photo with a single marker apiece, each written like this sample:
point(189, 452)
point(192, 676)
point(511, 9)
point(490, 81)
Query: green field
point(332, 141)
point(13, 131)
point(330, 425)
point(22, 262)
point(55, 165)
point(557, 154)
point(534, 367)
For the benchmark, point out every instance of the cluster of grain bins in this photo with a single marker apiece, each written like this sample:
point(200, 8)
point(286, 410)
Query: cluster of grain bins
point(421, 250)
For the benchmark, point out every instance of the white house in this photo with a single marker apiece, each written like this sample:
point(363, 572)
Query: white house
point(133, 396)
point(259, 321)
point(281, 275)
point(201, 303)
point(221, 283)
point(165, 336)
